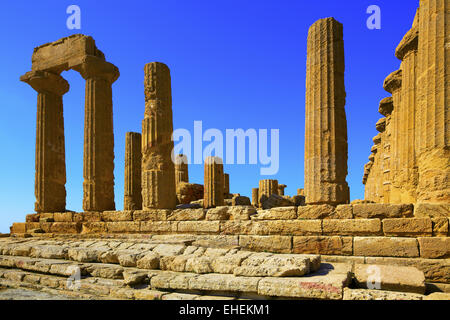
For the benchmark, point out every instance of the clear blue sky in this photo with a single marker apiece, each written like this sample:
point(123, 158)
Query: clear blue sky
point(234, 64)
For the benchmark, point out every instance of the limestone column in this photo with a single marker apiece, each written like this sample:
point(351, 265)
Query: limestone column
point(433, 101)
point(213, 184)
point(407, 172)
point(98, 163)
point(326, 124)
point(50, 165)
point(181, 169)
point(393, 85)
point(386, 107)
point(158, 169)
point(281, 188)
point(226, 184)
point(267, 187)
point(133, 159)
point(255, 197)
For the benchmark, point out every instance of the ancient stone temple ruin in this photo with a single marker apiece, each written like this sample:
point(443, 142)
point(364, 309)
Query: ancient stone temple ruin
point(410, 160)
point(179, 240)
point(78, 53)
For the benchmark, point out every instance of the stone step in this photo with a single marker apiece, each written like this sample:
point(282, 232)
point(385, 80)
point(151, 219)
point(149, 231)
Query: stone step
point(370, 294)
point(390, 278)
point(174, 257)
point(327, 283)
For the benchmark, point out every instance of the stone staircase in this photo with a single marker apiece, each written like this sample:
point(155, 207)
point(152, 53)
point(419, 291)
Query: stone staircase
point(170, 268)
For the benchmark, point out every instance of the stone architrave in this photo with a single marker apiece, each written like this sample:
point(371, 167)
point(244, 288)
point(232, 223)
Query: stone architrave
point(158, 169)
point(213, 184)
point(326, 124)
point(133, 160)
point(50, 174)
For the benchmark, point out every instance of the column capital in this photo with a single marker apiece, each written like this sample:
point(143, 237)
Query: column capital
point(91, 67)
point(43, 81)
point(393, 81)
point(386, 106)
point(409, 43)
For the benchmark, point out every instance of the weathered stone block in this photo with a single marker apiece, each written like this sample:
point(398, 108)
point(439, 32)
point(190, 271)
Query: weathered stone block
point(199, 226)
point(315, 211)
point(89, 216)
point(279, 244)
point(316, 287)
point(65, 227)
point(242, 212)
point(34, 217)
point(407, 227)
point(158, 226)
point(391, 278)
point(385, 247)
point(368, 294)
point(187, 214)
point(345, 227)
point(218, 213)
point(18, 227)
point(435, 270)
point(440, 226)
point(241, 201)
point(434, 247)
point(342, 211)
point(113, 216)
point(93, 227)
point(382, 211)
point(123, 227)
point(63, 216)
point(281, 213)
point(242, 227)
point(151, 215)
point(293, 227)
point(432, 210)
point(334, 245)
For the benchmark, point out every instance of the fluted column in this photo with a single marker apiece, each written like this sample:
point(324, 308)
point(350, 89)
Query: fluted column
point(393, 85)
point(255, 197)
point(433, 101)
point(267, 187)
point(213, 184)
point(226, 184)
point(50, 174)
point(407, 171)
point(98, 165)
point(133, 160)
point(181, 169)
point(326, 124)
point(386, 107)
point(281, 188)
point(158, 169)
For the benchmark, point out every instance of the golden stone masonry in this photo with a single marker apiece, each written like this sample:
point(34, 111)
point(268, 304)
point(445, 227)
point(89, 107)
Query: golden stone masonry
point(179, 240)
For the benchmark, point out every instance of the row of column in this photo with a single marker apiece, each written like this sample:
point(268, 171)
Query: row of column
point(98, 158)
point(416, 159)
